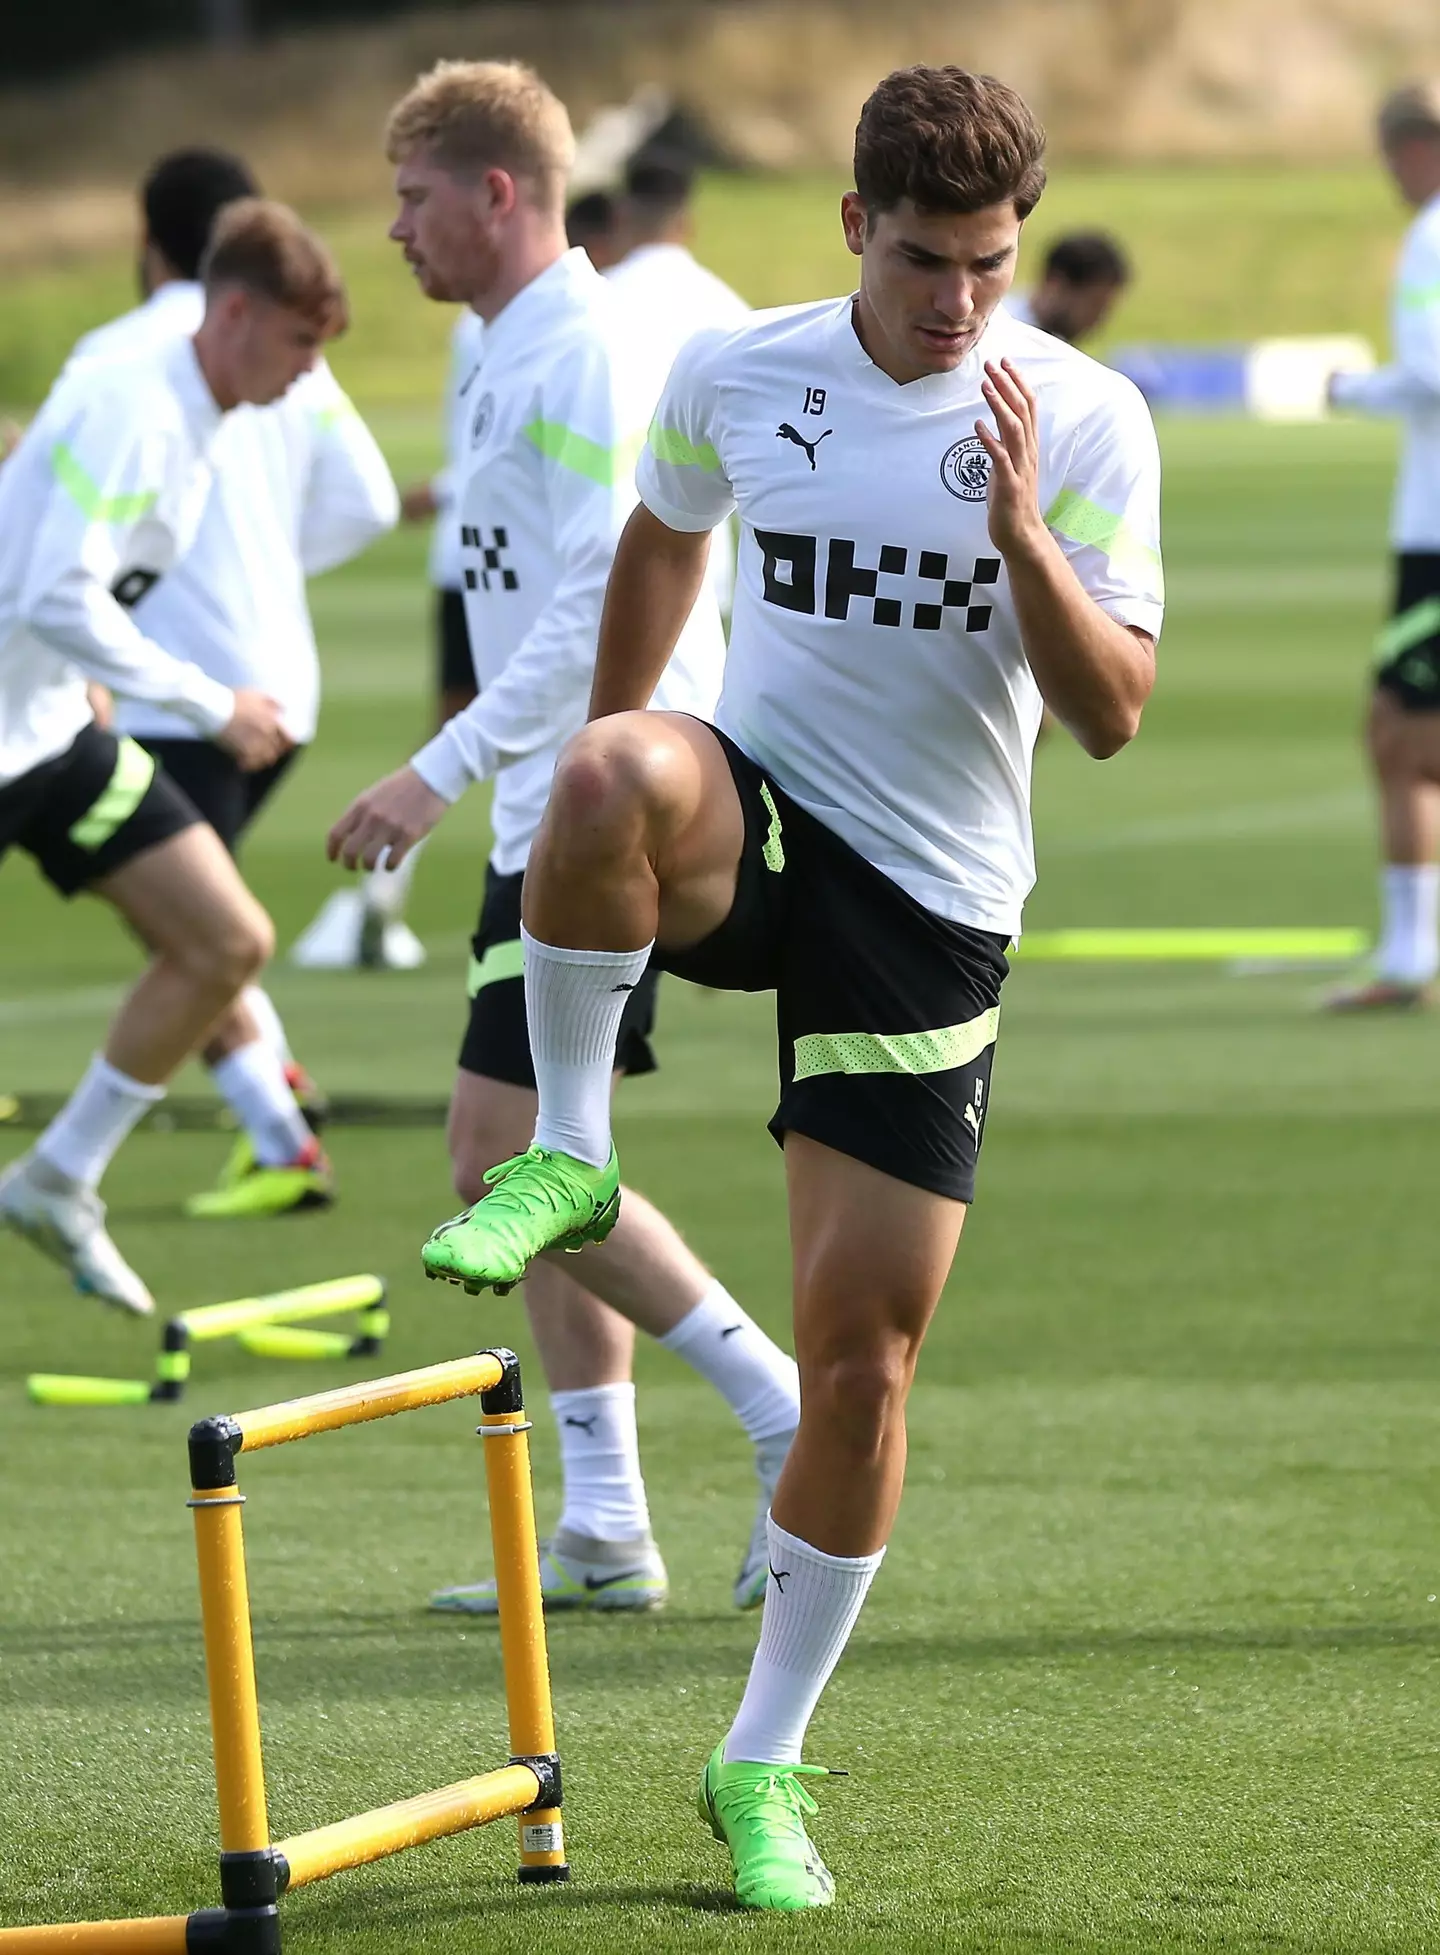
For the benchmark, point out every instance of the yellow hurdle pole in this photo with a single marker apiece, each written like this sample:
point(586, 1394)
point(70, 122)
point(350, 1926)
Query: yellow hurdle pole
point(521, 1608)
point(211, 1320)
point(160, 1935)
point(410, 1822)
point(373, 1398)
point(247, 1871)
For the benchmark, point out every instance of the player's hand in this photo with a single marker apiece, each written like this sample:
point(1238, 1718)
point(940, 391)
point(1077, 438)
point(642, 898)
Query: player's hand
point(102, 703)
point(417, 503)
point(387, 819)
point(254, 733)
point(1016, 524)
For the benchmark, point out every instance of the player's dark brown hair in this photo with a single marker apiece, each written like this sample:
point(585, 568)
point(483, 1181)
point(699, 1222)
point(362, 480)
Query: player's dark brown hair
point(265, 248)
point(948, 141)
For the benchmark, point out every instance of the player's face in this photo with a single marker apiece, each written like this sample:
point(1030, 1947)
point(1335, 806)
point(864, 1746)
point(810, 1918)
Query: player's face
point(1414, 162)
point(272, 347)
point(447, 229)
point(929, 281)
point(1074, 311)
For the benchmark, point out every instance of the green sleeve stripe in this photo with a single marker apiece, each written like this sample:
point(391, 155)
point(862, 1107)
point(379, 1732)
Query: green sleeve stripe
point(117, 800)
point(1081, 521)
point(573, 451)
point(500, 961)
point(670, 445)
point(1419, 298)
point(82, 488)
point(903, 1052)
point(1411, 627)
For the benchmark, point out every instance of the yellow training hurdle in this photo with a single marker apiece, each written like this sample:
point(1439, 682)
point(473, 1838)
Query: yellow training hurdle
point(254, 1871)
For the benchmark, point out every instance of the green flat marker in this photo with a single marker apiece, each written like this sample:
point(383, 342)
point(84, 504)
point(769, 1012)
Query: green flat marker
point(64, 1388)
point(1191, 946)
point(283, 1341)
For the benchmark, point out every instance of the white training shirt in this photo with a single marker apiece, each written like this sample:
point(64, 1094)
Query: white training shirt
point(300, 487)
point(446, 569)
point(876, 669)
point(1410, 385)
point(103, 494)
point(556, 416)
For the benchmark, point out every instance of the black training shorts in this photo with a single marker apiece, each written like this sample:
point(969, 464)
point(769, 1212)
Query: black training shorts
point(1410, 644)
point(91, 809)
point(452, 643)
point(214, 781)
point(497, 1038)
point(887, 1014)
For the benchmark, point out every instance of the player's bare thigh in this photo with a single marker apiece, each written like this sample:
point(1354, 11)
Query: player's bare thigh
point(644, 811)
point(1403, 741)
point(185, 896)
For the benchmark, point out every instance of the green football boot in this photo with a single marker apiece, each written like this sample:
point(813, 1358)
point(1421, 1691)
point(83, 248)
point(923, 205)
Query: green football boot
point(759, 1812)
point(539, 1200)
point(305, 1182)
point(240, 1162)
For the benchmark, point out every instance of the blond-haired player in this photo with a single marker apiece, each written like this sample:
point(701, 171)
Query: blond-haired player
point(556, 412)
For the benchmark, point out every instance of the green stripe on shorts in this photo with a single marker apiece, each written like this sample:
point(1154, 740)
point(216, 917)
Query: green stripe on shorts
point(1411, 627)
point(899, 1052)
point(118, 799)
point(500, 961)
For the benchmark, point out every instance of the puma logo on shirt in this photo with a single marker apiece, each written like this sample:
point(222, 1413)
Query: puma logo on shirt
point(786, 433)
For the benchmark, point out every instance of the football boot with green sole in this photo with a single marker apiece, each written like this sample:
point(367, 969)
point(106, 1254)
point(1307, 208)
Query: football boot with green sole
point(759, 1812)
point(539, 1200)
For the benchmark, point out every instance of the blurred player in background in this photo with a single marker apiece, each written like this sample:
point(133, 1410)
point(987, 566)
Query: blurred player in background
point(1403, 735)
point(926, 558)
point(105, 493)
point(1081, 281)
point(565, 391)
point(300, 486)
point(593, 223)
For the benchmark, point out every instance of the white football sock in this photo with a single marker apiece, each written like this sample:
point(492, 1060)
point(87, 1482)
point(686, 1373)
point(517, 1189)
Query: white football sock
point(267, 1021)
point(811, 1602)
point(573, 1004)
point(757, 1380)
point(253, 1083)
point(387, 890)
point(1410, 939)
point(600, 1460)
point(85, 1136)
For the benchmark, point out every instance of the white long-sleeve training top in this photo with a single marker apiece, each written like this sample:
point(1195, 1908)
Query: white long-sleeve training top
point(300, 487)
point(446, 569)
point(674, 296)
point(1410, 385)
point(104, 493)
point(557, 415)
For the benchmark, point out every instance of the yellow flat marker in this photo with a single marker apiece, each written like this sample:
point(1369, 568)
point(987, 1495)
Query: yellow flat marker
point(1191, 946)
point(60, 1388)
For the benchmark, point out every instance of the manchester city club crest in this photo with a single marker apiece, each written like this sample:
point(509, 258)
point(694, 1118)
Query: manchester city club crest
point(965, 470)
point(482, 420)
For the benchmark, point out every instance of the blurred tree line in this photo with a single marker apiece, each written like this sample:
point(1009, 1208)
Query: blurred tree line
point(41, 41)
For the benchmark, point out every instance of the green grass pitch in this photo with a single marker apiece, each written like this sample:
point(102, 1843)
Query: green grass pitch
point(1152, 1665)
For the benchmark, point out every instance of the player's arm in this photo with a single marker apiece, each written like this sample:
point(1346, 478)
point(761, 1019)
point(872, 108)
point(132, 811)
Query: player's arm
point(106, 479)
point(350, 495)
point(1084, 575)
point(1412, 379)
point(542, 692)
point(660, 564)
point(656, 578)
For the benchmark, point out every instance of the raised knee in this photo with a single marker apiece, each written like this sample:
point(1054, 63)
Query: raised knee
point(615, 771)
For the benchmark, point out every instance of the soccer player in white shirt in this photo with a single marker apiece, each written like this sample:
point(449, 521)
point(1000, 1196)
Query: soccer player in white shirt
point(300, 487)
point(566, 386)
point(1403, 735)
point(1081, 281)
point(948, 520)
point(103, 496)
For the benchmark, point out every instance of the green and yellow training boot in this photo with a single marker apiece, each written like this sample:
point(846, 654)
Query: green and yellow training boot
point(305, 1182)
point(539, 1200)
